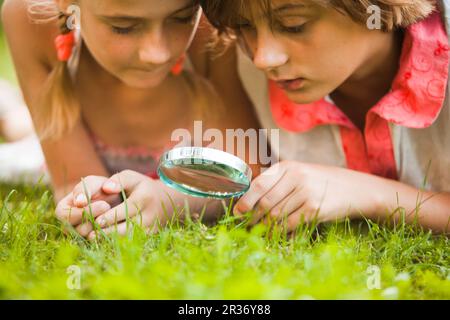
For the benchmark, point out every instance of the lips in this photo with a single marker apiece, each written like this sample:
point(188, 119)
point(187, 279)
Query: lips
point(291, 85)
point(153, 71)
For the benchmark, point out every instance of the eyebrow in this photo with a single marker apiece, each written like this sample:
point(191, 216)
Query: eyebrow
point(134, 18)
point(289, 6)
point(189, 6)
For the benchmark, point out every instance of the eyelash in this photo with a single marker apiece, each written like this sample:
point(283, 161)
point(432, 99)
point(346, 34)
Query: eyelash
point(295, 29)
point(122, 31)
point(241, 26)
point(185, 20)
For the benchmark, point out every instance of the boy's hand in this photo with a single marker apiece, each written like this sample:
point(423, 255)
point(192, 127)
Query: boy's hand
point(292, 192)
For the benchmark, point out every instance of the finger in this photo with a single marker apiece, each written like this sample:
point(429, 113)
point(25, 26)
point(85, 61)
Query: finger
point(289, 221)
point(127, 209)
point(113, 199)
point(280, 194)
point(63, 206)
point(95, 209)
point(298, 218)
point(72, 216)
point(120, 229)
point(111, 186)
point(124, 181)
point(259, 188)
point(75, 216)
point(146, 222)
point(288, 206)
point(294, 221)
point(84, 229)
point(88, 189)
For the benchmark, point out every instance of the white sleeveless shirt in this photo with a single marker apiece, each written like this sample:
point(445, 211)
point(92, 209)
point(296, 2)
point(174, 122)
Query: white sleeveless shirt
point(422, 156)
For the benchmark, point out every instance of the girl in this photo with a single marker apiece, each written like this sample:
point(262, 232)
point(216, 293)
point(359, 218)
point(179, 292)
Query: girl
point(364, 111)
point(107, 99)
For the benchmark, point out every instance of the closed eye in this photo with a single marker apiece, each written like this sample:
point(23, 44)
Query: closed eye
point(122, 30)
point(243, 25)
point(185, 20)
point(293, 29)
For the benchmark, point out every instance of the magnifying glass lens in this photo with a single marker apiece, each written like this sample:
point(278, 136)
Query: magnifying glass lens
point(201, 175)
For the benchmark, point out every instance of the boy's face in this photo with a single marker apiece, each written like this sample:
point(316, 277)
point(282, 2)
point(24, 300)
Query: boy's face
point(310, 50)
point(138, 41)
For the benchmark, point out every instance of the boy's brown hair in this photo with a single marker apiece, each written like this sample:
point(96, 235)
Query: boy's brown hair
point(224, 14)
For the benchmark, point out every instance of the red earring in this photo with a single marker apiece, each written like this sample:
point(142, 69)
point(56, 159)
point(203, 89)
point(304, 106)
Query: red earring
point(177, 69)
point(64, 45)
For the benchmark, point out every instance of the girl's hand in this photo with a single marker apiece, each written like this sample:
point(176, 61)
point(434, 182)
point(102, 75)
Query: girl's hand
point(95, 188)
point(145, 204)
point(304, 192)
point(89, 197)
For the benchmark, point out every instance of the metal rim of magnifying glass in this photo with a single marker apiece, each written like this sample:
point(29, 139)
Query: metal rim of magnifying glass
point(204, 154)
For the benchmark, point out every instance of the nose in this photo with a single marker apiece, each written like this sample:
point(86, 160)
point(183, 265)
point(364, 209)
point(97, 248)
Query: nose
point(268, 51)
point(154, 48)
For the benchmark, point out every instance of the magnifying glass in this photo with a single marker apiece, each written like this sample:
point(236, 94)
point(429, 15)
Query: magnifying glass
point(205, 173)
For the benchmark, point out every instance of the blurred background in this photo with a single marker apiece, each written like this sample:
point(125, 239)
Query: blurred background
point(21, 158)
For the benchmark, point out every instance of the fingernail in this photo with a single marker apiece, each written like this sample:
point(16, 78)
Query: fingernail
point(102, 222)
point(81, 199)
point(111, 185)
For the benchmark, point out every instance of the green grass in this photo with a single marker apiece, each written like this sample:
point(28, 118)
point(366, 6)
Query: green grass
point(226, 261)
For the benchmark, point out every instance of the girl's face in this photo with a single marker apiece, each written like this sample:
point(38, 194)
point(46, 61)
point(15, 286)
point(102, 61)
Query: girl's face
point(138, 41)
point(309, 50)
